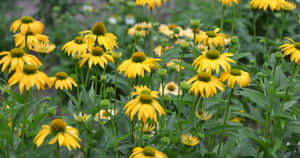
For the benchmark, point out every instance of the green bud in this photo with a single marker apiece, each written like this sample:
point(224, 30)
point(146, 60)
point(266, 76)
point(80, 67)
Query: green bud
point(278, 55)
point(130, 4)
point(262, 41)
point(195, 23)
point(167, 98)
point(52, 111)
point(56, 8)
point(110, 90)
point(184, 45)
point(176, 30)
point(103, 78)
point(76, 58)
point(162, 73)
point(104, 103)
point(173, 67)
point(5, 90)
point(44, 105)
point(156, 24)
point(165, 140)
point(185, 86)
point(93, 77)
point(117, 55)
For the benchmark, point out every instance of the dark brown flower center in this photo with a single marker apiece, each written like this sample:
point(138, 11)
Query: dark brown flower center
point(146, 97)
point(79, 40)
point(58, 125)
point(149, 151)
point(29, 69)
point(97, 51)
point(61, 75)
point(138, 57)
point(204, 76)
point(171, 87)
point(235, 72)
point(211, 34)
point(172, 26)
point(138, 28)
point(26, 19)
point(213, 54)
point(297, 45)
point(17, 52)
point(99, 29)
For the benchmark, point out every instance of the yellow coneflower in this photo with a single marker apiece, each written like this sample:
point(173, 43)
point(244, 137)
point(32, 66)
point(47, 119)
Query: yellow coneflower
point(16, 58)
point(150, 3)
point(238, 76)
point(213, 60)
point(43, 47)
point(30, 38)
point(99, 35)
point(287, 6)
point(175, 63)
point(205, 84)
point(145, 104)
point(148, 128)
point(137, 65)
point(229, 2)
point(96, 57)
point(142, 28)
point(265, 4)
point(159, 50)
point(170, 88)
point(64, 135)
point(189, 33)
point(27, 24)
point(211, 38)
point(62, 81)
point(299, 18)
point(146, 152)
point(28, 77)
point(293, 49)
point(81, 118)
point(104, 115)
point(78, 46)
point(189, 140)
point(203, 115)
point(169, 30)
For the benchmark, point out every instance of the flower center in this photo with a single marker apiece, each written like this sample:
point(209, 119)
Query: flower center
point(99, 29)
point(97, 51)
point(138, 57)
point(235, 72)
point(79, 40)
point(211, 34)
point(149, 151)
point(171, 87)
point(104, 113)
point(138, 28)
point(213, 54)
point(146, 97)
point(297, 45)
point(26, 19)
point(29, 69)
point(204, 76)
point(58, 125)
point(172, 26)
point(17, 52)
point(61, 75)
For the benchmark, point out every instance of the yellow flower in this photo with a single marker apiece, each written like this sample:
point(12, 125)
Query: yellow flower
point(44, 47)
point(16, 58)
point(27, 24)
point(265, 4)
point(299, 18)
point(293, 49)
point(211, 38)
point(205, 84)
point(104, 115)
point(142, 28)
point(78, 46)
point(96, 57)
point(240, 77)
point(212, 60)
point(203, 115)
point(175, 63)
point(189, 140)
point(99, 35)
point(146, 152)
point(62, 81)
point(159, 50)
point(32, 39)
point(137, 65)
point(237, 119)
point(229, 2)
point(287, 6)
point(168, 30)
point(145, 104)
point(148, 128)
point(64, 135)
point(81, 118)
point(170, 88)
point(150, 3)
point(29, 77)
point(189, 33)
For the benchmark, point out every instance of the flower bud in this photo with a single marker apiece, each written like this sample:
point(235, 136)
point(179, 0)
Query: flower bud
point(185, 86)
point(103, 78)
point(162, 73)
point(104, 103)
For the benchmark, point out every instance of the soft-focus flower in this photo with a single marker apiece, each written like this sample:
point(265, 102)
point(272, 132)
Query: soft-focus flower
point(145, 104)
point(104, 115)
point(81, 118)
point(150, 3)
point(29, 39)
point(97, 56)
point(203, 115)
point(287, 6)
point(170, 30)
point(238, 76)
point(189, 140)
point(129, 19)
point(229, 2)
point(146, 152)
point(78, 46)
point(143, 28)
point(148, 128)
point(266, 4)
point(175, 63)
point(292, 48)
point(170, 88)
point(211, 38)
point(62, 81)
point(43, 47)
point(159, 50)
point(64, 135)
point(27, 24)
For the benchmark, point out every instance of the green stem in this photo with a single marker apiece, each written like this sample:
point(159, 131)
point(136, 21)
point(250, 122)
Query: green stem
point(96, 86)
point(87, 77)
point(141, 134)
point(179, 113)
point(152, 19)
point(61, 102)
point(266, 38)
point(179, 74)
point(194, 46)
point(57, 150)
point(194, 107)
point(116, 73)
point(254, 33)
point(24, 119)
point(225, 120)
point(288, 88)
point(115, 134)
point(135, 41)
point(283, 25)
point(222, 18)
point(77, 81)
point(233, 20)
